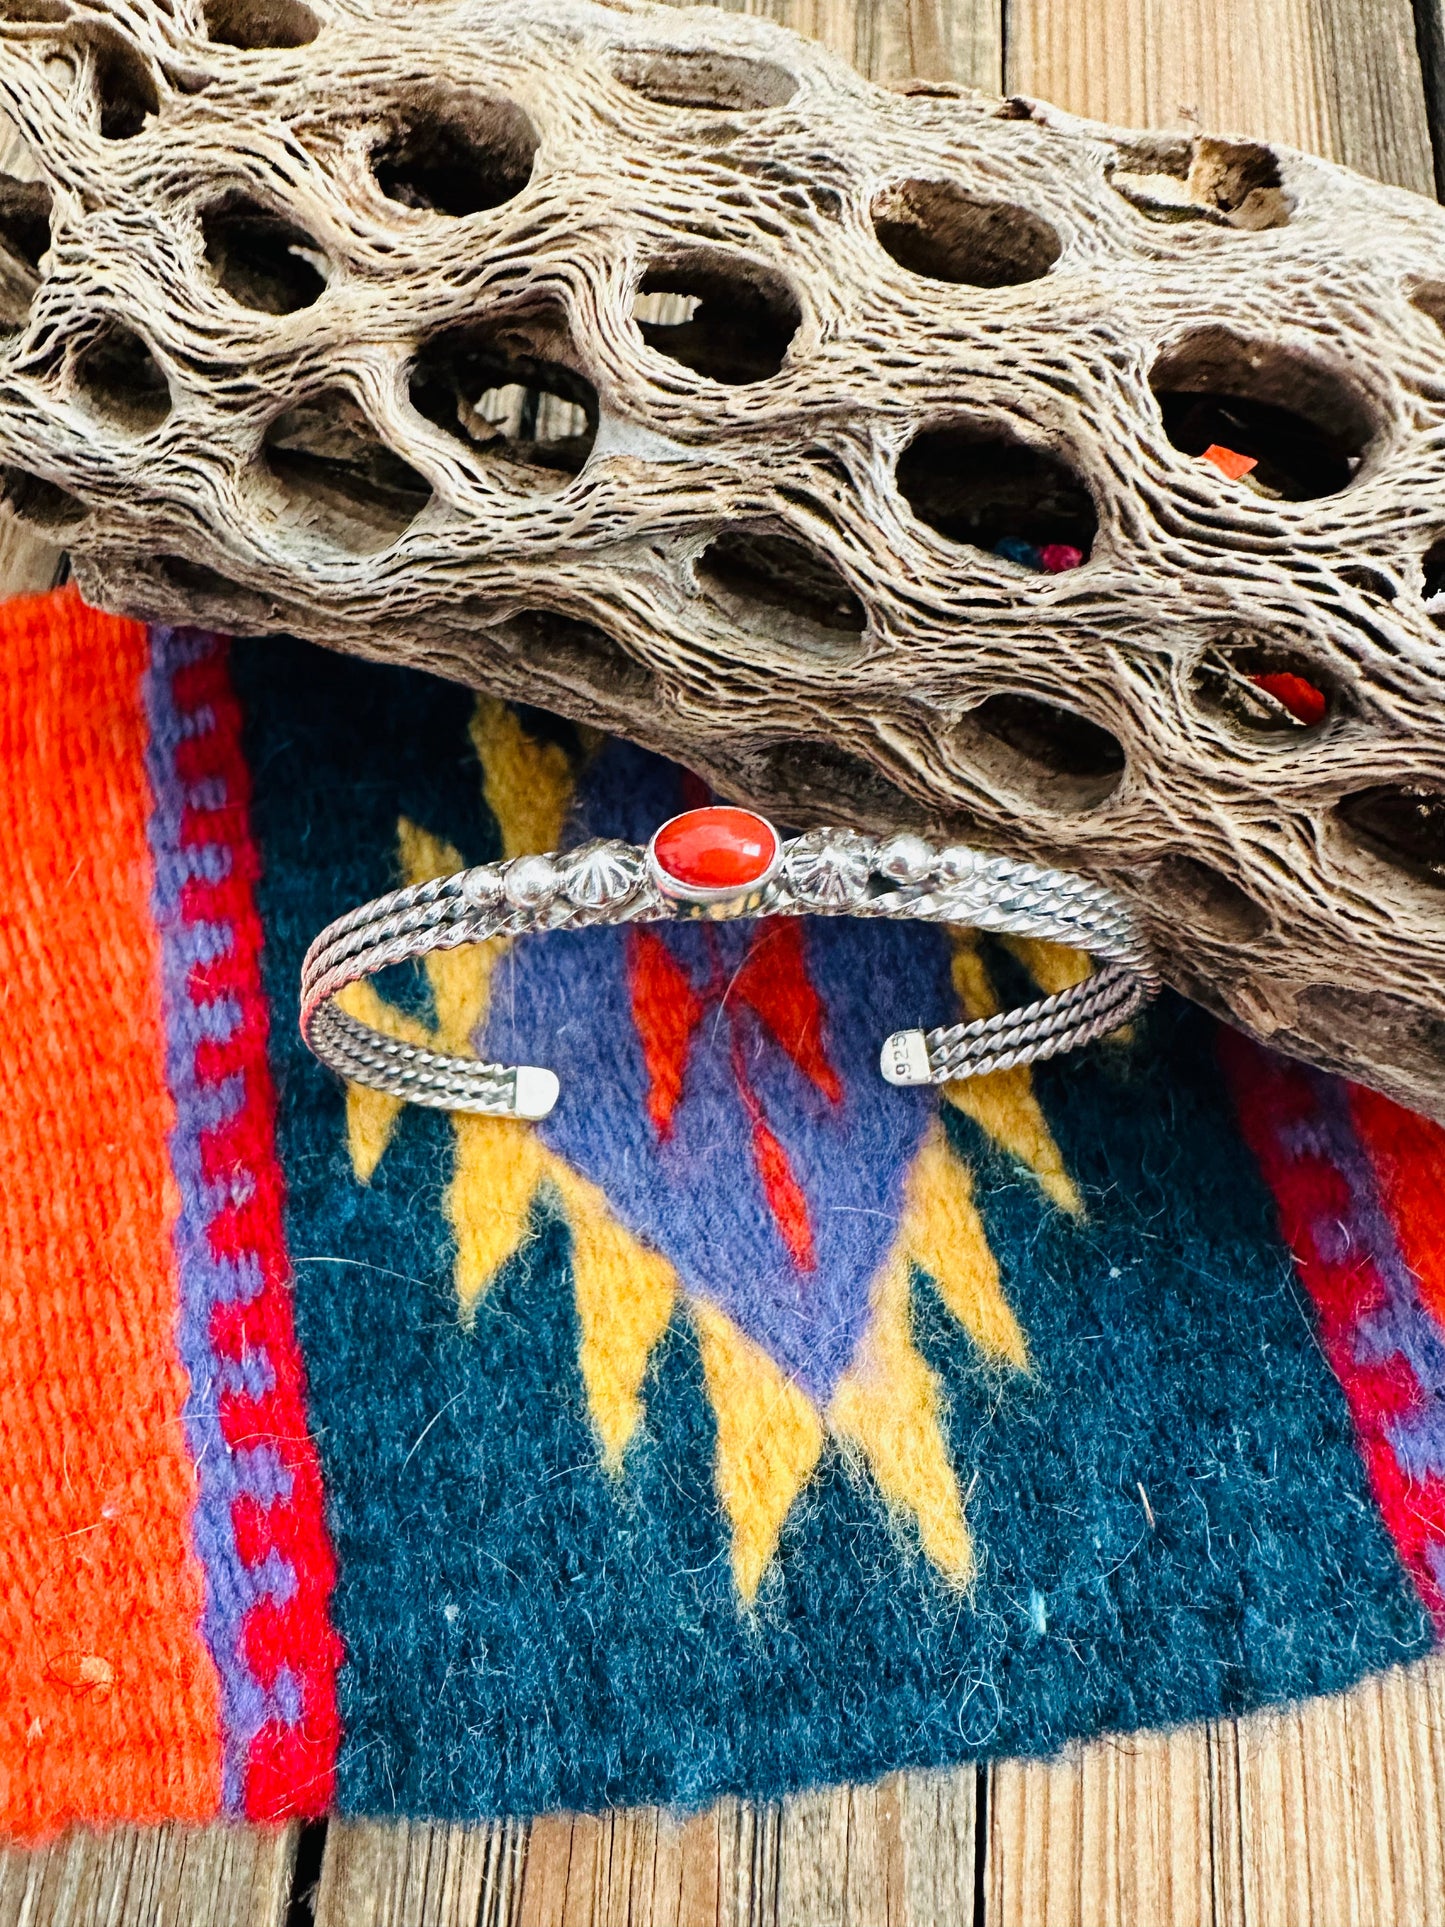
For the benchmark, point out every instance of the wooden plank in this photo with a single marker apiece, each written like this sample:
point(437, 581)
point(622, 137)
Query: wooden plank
point(892, 40)
point(1291, 1819)
point(1340, 1806)
point(1122, 1831)
point(1339, 77)
point(161, 1876)
point(896, 1854)
point(1430, 38)
point(410, 1873)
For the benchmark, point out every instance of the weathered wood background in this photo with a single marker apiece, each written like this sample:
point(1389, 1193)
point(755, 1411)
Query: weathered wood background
point(1328, 1814)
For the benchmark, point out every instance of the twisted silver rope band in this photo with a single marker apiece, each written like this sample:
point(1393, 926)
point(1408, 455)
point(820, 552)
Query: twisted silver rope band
point(824, 873)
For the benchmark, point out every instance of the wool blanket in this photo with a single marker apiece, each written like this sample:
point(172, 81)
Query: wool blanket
point(746, 1424)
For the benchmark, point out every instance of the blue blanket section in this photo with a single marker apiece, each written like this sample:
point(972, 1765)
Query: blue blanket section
point(524, 1633)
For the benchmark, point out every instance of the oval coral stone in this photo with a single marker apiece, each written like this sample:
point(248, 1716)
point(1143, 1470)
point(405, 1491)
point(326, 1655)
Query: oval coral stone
point(715, 849)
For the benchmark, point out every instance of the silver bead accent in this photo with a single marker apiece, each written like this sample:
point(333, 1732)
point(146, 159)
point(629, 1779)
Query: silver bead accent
point(959, 864)
point(599, 873)
point(829, 868)
point(906, 859)
point(481, 887)
point(530, 881)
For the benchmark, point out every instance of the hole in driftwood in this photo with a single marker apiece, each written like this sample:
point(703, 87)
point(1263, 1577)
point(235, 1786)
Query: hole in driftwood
point(262, 260)
point(1404, 823)
point(35, 12)
point(995, 493)
point(455, 153)
point(817, 777)
point(1433, 583)
point(576, 653)
point(783, 588)
point(256, 24)
point(935, 229)
point(1048, 754)
point(1370, 582)
point(213, 595)
point(1385, 1028)
point(196, 578)
point(339, 478)
point(1263, 689)
point(729, 320)
point(1299, 429)
point(34, 500)
point(499, 391)
point(120, 380)
point(729, 83)
point(24, 237)
point(1208, 899)
point(124, 86)
point(1231, 183)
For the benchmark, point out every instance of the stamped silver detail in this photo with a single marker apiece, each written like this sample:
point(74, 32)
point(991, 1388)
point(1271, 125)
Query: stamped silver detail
point(904, 1058)
point(828, 869)
point(599, 873)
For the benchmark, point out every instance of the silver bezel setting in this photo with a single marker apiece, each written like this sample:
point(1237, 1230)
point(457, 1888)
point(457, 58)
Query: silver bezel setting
point(667, 886)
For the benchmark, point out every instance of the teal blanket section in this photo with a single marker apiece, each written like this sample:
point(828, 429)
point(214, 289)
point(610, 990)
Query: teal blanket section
point(1170, 1516)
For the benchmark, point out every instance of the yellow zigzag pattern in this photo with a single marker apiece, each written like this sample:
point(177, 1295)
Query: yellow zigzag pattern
point(887, 1411)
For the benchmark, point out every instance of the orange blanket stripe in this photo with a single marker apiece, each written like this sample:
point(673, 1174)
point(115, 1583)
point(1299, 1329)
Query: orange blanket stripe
point(111, 1708)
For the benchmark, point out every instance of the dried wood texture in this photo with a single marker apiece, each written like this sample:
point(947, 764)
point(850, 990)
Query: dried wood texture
point(152, 1877)
point(898, 1854)
point(652, 365)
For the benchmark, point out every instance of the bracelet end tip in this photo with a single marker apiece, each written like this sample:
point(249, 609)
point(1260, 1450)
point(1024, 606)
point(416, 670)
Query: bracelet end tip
point(535, 1092)
point(904, 1058)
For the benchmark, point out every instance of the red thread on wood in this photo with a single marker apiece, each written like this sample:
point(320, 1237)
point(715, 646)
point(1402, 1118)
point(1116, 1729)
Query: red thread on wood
point(1229, 461)
point(1300, 697)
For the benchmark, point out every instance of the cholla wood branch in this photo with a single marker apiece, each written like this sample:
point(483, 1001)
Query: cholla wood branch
point(895, 459)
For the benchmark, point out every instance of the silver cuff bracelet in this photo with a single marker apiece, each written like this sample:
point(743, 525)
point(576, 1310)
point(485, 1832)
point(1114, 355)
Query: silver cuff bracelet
point(720, 863)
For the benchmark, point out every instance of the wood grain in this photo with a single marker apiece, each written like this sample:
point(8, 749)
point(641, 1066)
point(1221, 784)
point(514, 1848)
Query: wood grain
point(1339, 78)
point(892, 40)
point(896, 1854)
point(152, 1877)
